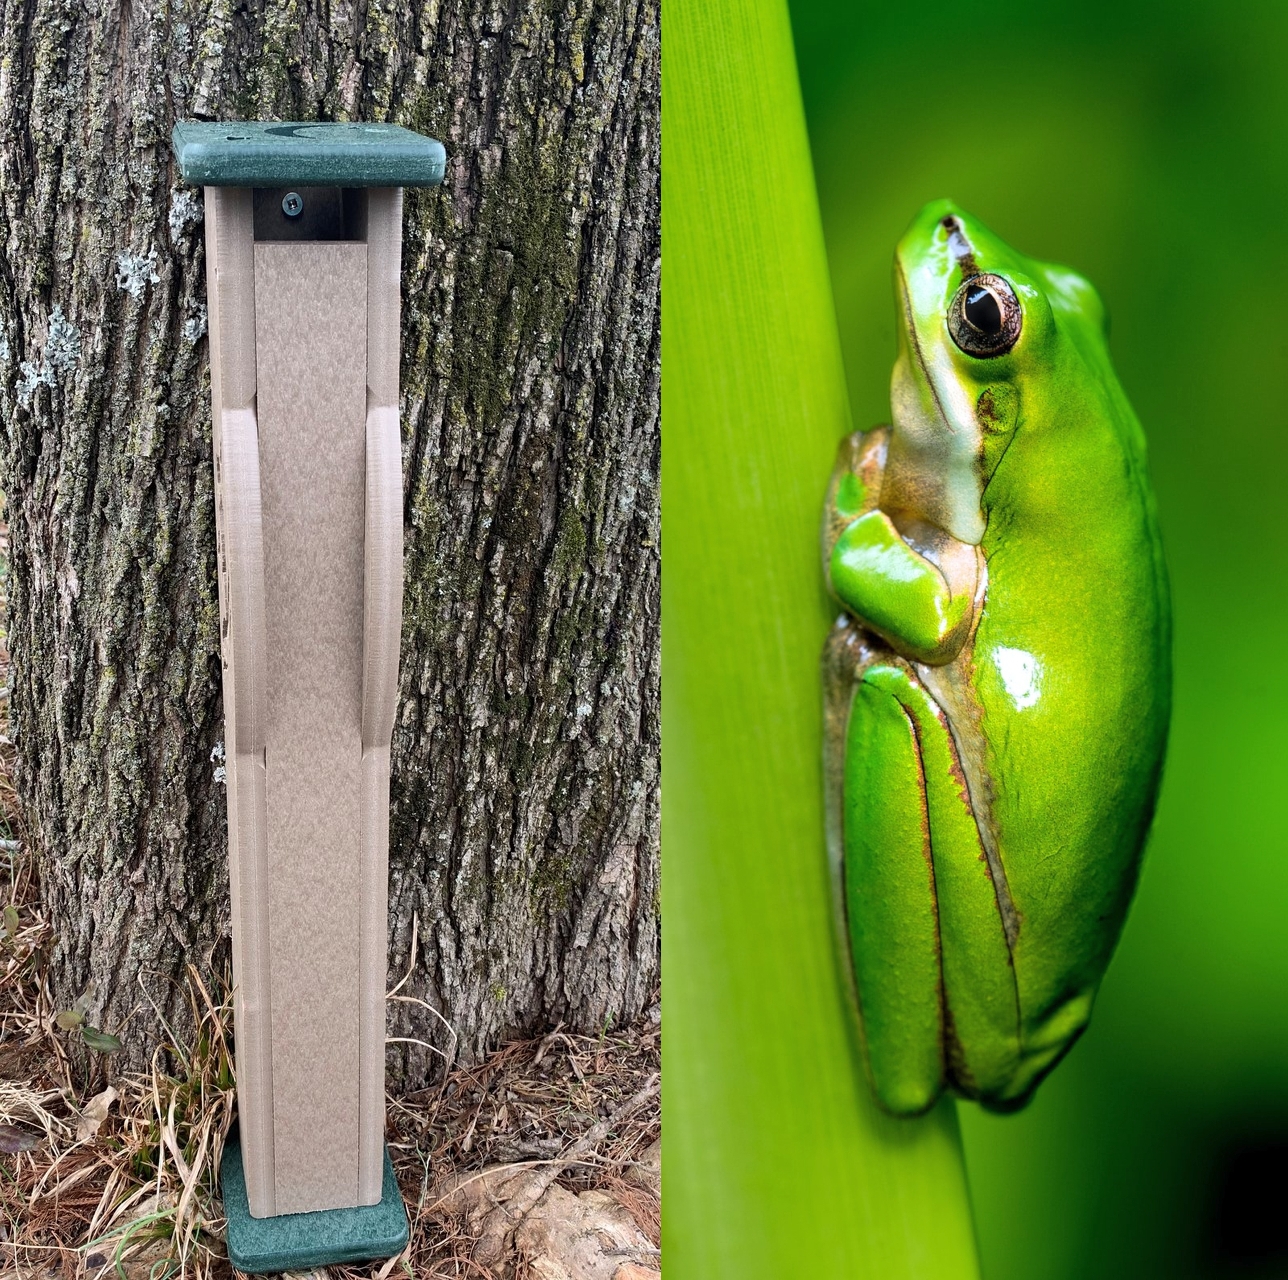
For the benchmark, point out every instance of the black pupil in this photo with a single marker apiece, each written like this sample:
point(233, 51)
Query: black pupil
point(983, 311)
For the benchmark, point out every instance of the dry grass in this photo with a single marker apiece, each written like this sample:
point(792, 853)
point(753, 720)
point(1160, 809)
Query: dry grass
point(118, 1176)
point(530, 1102)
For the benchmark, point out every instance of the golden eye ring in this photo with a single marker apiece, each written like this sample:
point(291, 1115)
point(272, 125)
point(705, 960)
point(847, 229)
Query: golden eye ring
point(985, 316)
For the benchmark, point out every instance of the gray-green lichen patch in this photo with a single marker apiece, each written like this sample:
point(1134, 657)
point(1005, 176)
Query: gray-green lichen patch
point(186, 211)
point(194, 327)
point(135, 271)
point(31, 376)
point(63, 346)
point(61, 354)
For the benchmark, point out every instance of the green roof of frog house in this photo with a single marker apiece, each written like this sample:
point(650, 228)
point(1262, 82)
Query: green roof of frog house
point(271, 153)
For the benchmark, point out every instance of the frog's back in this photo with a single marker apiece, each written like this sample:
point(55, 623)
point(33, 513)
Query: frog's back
point(1072, 672)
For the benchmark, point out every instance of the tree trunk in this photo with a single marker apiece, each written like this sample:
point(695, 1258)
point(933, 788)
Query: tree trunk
point(524, 846)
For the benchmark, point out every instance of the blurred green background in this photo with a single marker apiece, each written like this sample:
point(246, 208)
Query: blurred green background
point(1146, 145)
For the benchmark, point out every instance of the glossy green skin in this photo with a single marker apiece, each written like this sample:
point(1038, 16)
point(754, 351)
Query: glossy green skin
point(999, 685)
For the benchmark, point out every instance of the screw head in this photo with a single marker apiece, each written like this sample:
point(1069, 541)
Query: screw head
point(292, 204)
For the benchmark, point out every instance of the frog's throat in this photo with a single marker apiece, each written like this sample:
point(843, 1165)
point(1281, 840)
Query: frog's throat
point(933, 470)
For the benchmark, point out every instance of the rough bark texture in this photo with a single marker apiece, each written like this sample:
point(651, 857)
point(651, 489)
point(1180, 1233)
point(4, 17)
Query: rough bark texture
point(524, 839)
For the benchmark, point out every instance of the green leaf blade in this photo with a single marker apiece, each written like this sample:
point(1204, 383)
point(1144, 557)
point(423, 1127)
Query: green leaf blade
point(778, 1162)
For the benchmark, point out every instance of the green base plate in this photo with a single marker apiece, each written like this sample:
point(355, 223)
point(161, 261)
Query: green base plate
point(296, 1241)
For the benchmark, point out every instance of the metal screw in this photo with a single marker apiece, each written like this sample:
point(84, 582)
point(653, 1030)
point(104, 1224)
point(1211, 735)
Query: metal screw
point(292, 204)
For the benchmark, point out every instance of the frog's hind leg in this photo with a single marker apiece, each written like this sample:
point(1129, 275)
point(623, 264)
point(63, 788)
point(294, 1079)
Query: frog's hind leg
point(890, 899)
point(981, 1017)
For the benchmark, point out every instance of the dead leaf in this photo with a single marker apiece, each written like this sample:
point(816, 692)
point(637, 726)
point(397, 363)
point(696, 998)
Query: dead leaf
point(94, 1113)
point(13, 1139)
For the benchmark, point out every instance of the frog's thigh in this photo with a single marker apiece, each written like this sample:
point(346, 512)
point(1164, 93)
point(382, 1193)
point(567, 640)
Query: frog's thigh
point(982, 1041)
point(890, 902)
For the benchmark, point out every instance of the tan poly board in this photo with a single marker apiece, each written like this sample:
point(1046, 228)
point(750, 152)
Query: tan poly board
point(239, 533)
point(303, 289)
point(311, 355)
point(381, 634)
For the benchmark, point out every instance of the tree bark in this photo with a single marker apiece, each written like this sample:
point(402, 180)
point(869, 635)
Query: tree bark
point(524, 841)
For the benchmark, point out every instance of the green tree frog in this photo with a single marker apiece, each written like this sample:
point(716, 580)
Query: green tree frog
point(998, 686)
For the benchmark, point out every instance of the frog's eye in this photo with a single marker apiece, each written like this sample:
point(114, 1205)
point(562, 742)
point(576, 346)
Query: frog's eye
point(984, 316)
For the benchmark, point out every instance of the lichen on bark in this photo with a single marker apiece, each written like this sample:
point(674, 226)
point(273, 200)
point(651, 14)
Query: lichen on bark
point(524, 818)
